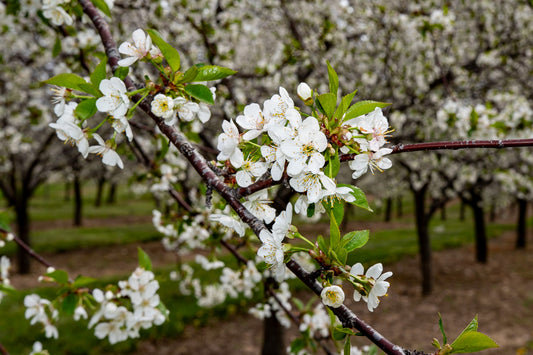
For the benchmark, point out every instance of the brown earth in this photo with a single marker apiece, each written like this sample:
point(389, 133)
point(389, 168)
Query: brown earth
point(499, 292)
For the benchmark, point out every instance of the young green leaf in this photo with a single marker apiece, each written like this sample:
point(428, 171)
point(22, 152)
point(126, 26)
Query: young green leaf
point(86, 109)
point(333, 167)
point(57, 47)
point(99, 73)
point(334, 231)
point(122, 72)
point(322, 244)
point(347, 347)
point(69, 304)
point(355, 239)
point(89, 89)
point(200, 92)
point(68, 80)
point(345, 103)
point(327, 102)
point(102, 5)
point(213, 72)
point(60, 276)
point(362, 108)
point(189, 75)
point(472, 341)
point(333, 81)
point(82, 281)
point(170, 53)
point(360, 198)
point(441, 326)
point(144, 260)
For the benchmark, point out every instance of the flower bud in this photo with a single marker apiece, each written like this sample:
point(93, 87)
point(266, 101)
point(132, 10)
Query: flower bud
point(305, 93)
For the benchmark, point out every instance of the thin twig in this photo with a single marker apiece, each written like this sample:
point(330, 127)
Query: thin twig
point(28, 249)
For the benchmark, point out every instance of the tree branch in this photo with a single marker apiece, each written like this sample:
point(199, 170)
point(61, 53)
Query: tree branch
point(28, 249)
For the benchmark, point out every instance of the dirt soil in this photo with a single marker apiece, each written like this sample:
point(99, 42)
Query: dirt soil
point(499, 292)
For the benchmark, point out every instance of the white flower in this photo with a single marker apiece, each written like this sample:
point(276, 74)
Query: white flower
point(71, 133)
point(304, 152)
point(249, 171)
point(332, 296)
point(376, 279)
point(304, 92)
point(115, 101)
point(228, 144)
point(109, 156)
point(57, 15)
point(142, 44)
point(163, 106)
point(315, 184)
point(230, 222)
point(186, 109)
point(376, 160)
point(253, 120)
point(37, 348)
point(376, 125)
point(272, 252)
point(121, 124)
point(258, 205)
point(79, 313)
point(279, 109)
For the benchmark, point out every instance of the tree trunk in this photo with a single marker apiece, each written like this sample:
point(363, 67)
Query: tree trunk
point(112, 196)
point(521, 236)
point(399, 207)
point(99, 191)
point(78, 201)
point(480, 231)
point(424, 243)
point(388, 209)
point(492, 212)
point(23, 231)
point(67, 191)
point(273, 341)
point(443, 213)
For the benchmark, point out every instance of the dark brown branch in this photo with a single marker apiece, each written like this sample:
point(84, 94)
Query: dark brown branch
point(3, 350)
point(28, 249)
point(454, 145)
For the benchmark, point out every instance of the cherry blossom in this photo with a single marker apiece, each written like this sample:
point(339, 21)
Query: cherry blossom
point(332, 296)
point(109, 156)
point(115, 101)
point(377, 280)
point(142, 45)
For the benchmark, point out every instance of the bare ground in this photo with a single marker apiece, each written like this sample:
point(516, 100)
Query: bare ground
point(499, 292)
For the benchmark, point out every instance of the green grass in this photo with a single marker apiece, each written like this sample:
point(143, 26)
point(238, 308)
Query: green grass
point(49, 204)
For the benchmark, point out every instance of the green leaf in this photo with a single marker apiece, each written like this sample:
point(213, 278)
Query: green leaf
point(334, 231)
point(472, 326)
point(441, 326)
point(122, 72)
point(82, 281)
point(362, 108)
point(170, 53)
point(4, 221)
point(342, 255)
point(13, 7)
point(333, 81)
point(69, 304)
point(200, 92)
point(347, 347)
point(68, 80)
point(297, 345)
point(144, 260)
point(60, 276)
point(57, 47)
point(322, 244)
point(472, 341)
point(86, 109)
point(360, 197)
point(333, 167)
point(311, 210)
point(327, 103)
point(355, 239)
point(345, 103)
point(102, 5)
point(213, 72)
point(99, 73)
point(338, 335)
point(189, 75)
point(89, 89)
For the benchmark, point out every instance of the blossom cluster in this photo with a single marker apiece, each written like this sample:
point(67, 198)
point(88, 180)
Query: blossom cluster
point(40, 310)
point(118, 323)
